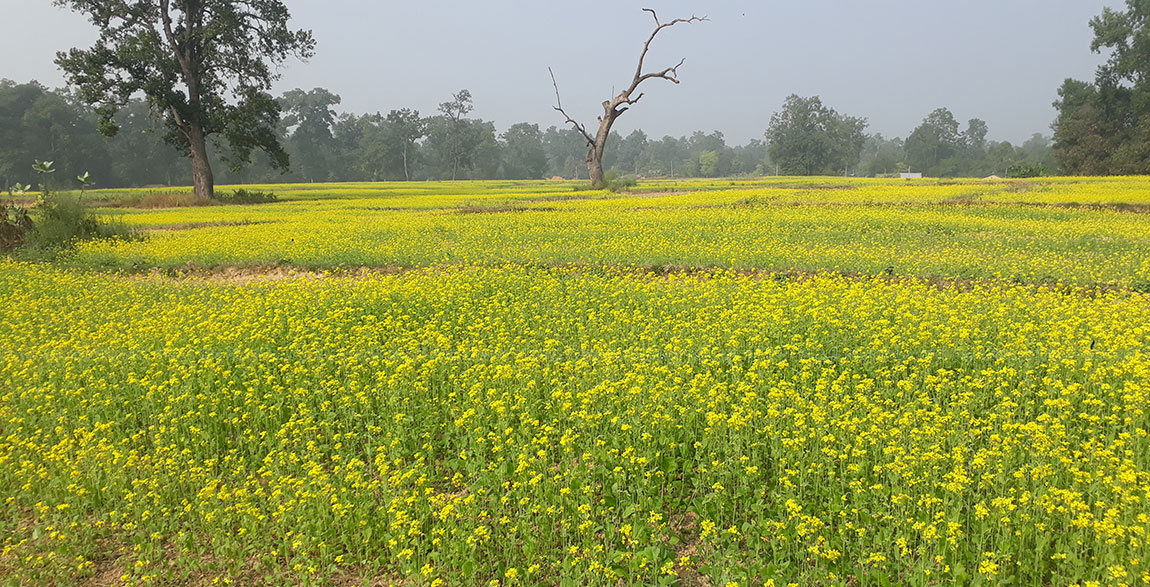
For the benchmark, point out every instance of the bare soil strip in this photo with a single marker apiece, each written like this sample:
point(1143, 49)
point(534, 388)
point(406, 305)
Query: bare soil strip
point(256, 274)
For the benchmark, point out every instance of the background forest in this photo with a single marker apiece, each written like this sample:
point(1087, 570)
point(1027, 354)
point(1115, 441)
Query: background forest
point(805, 137)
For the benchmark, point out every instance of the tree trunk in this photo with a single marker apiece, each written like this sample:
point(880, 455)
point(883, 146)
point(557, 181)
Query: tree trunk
point(202, 179)
point(406, 175)
point(595, 168)
point(595, 151)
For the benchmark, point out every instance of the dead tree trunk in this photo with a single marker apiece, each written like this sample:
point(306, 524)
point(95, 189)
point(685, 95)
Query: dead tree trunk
point(616, 106)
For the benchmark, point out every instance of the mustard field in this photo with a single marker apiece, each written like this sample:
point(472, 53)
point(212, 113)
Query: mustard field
point(786, 381)
point(963, 229)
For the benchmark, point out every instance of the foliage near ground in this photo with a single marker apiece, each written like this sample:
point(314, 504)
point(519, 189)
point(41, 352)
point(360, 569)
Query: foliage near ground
point(789, 381)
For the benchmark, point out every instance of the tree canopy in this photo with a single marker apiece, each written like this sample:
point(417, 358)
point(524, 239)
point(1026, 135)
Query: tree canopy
point(1104, 127)
point(204, 66)
point(809, 138)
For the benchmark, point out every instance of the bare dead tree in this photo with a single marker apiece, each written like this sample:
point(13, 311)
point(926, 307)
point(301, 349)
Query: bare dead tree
point(615, 107)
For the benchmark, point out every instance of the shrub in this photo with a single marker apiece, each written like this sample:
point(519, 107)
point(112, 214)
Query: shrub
point(62, 221)
point(1026, 170)
point(242, 196)
point(14, 226)
point(167, 199)
point(616, 182)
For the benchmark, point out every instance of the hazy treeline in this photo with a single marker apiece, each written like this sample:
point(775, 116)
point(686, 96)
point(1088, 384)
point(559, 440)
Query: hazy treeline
point(805, 137)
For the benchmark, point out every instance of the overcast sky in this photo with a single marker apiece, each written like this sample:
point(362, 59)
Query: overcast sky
point(892, 61)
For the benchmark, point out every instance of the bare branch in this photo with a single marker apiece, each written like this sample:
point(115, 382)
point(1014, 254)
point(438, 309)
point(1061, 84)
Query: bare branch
point(670, 74)
point(639, 76)
point(621, 102)
point(559, 107)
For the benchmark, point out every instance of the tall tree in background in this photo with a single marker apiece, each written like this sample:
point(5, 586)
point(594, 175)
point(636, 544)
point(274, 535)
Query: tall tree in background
point(523, 154)
point(137, 155)
point(204, 65)
point(565, 149)
point(1104, 127)
point(39, 124)
point(451, 132)
point(630, 150)
point(710, 154)
point(615, 107)
point(309, 118)
point(934, 141)
point(975, 135)
point(377, 157)
point(406, 127)
point(809, 138)
point(1086, 133)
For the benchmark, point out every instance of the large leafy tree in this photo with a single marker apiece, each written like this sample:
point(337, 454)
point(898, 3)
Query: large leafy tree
point(309, 117)
point(459, 146)
point(406, 128)
point(1104, 127)
point(1084, 135)
point(388, 147)
point(975, 135)
point(452, 134)
point(809, 138)
point(934, 141)
point(204, 65)
point(524, 157)
point(137, 154)
point(565, 149)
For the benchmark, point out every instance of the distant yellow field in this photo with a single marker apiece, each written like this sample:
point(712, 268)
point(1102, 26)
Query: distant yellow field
point(1016, 230)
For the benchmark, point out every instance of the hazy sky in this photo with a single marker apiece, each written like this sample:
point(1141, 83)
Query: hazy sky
point(892, 61)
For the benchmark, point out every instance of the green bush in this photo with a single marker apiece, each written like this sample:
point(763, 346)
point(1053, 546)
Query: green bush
point(63, 220)
point(14, 226)
point(242, 196)
point(1026, 170)
point(617, 182)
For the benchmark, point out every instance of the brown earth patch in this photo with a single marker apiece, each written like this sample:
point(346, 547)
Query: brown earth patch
point(558, 198)
point(194, 225)
point(250, 274)
point(107, 573)
point(686, 529)
point(500, 209)
point(353, 578)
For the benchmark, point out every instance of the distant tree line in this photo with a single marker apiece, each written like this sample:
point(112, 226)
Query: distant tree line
point(804, 138)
